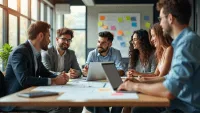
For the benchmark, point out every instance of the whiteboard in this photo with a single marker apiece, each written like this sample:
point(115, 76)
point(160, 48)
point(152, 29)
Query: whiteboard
point(121, 25)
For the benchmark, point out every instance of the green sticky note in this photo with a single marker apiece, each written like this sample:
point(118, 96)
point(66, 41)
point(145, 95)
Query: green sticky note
point(100, 23)
point(147, 25)
point(128, 18)
point(120, 19)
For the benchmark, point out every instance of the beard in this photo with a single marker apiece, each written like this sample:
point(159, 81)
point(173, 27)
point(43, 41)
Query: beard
point(63, 46)
point(44, 45)
point(102, 50)
point(168, 30)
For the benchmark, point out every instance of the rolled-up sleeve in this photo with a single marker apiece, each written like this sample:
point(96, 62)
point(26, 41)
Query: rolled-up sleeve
point(182, 69)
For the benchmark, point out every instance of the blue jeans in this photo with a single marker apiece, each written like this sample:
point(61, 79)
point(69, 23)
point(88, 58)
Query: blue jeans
point(154, 110)
point(104, 109)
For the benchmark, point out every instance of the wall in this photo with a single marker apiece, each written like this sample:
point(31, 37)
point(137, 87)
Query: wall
point(92, 17)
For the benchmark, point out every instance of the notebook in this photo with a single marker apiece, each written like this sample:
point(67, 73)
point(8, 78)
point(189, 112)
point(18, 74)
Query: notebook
point(37, 94)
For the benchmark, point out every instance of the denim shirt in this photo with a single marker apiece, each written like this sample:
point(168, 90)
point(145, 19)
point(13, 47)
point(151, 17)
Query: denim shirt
point(113, 55)
point(183, 80)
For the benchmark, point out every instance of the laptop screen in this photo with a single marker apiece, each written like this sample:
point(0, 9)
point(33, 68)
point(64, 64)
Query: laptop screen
point(112, 75)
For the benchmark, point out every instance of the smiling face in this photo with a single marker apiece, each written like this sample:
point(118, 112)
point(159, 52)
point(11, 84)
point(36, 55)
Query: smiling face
point(135, 41)
point(154, 38)
point(64, 41)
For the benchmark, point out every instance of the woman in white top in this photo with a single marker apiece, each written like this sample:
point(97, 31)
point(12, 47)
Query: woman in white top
point(163, 53)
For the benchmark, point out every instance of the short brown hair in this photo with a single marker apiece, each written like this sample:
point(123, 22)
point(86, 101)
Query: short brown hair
point(180, 9)
point(65, 31)
point(37, 27)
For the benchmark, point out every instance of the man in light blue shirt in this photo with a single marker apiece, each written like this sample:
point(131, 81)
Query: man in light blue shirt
point(105, 53)
point(181, 85)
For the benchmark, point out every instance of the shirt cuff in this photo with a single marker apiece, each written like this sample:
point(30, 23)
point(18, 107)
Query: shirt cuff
point(49, 81)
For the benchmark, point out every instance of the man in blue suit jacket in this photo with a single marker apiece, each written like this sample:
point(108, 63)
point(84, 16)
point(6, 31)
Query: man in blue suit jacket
point(25, 68)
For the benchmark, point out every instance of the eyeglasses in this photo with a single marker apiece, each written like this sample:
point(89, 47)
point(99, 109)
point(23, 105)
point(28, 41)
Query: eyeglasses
point(66, 40)
point(160, 18)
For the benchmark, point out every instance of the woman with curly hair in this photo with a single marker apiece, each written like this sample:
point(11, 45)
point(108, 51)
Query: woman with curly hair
point(164, 52)
point(141, 53)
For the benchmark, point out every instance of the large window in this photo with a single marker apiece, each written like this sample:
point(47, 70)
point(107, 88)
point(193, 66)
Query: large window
point(1, 1)
point(1, 27)
point(23, 29)
point(34, 9)
point(76, 21)
point(12, 30)
point(24, 7)
point(42, 11)
point(12, 4)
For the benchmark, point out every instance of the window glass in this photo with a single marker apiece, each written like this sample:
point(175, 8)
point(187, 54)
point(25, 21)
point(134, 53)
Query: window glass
point(23, 29)
point(24, 7)
point(34, 9)
point(12, 38)
point(12, 4)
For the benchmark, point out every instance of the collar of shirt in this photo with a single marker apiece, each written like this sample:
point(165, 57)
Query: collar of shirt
point(109, 53)
point(179, 37)
point(35, 52)
point(59, 53)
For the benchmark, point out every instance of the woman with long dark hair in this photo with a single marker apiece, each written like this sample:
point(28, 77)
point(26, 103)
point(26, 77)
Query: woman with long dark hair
point(141, 53)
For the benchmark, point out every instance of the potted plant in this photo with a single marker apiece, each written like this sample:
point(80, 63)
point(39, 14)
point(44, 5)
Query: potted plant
point(4, 54)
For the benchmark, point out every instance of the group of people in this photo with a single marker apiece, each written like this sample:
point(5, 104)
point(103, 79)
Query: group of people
point(165, 61)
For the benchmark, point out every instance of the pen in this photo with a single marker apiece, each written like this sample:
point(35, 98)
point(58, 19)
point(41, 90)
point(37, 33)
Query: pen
point(104, 85)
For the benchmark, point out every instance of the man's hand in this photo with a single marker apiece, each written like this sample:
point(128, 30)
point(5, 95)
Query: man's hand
point(128, 86)
point(61, 79)
point(85, 70)
point(72, 73)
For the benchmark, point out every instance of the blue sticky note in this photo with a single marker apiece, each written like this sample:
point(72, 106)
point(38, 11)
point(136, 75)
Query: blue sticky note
point(133, 19)
point(146, 18)
point(123, 44)
point(134, 24)
point(119, 38)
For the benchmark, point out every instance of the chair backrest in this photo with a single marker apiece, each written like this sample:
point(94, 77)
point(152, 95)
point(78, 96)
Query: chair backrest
point(2, 85)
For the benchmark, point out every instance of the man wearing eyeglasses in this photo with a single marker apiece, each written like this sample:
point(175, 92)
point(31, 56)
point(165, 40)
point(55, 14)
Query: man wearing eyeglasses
point(60, 58)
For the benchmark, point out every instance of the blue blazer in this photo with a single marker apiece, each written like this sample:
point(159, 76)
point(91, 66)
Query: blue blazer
point(20, 71)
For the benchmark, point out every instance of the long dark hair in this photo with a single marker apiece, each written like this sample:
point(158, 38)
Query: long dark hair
point(145, 52)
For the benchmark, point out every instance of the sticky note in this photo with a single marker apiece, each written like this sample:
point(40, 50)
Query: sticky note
point(119, 38)
point(100, 23)
point(147, 25)
point(102, 17)
point(133, 19)
point(123, 44)
point(117, 94)
point(113, 28)
point(105, 27)
point(120, 19)
point(120, 33)
point(134, 24)
point(146, 18)
point(104, 89)
point(128, 33)
point(128, 18)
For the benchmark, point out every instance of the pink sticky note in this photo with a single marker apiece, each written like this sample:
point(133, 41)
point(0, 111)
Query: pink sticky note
point(117, 94)
point(113, 28)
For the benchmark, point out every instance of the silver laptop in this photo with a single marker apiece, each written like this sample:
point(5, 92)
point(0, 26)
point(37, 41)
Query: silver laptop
point(95, 72)
point(113, 76)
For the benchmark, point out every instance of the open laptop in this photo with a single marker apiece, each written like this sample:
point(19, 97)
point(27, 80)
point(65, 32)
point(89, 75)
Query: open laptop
point(113, 76)
point(95, 72)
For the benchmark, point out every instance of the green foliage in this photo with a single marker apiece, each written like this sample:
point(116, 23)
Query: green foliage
point(4, 53)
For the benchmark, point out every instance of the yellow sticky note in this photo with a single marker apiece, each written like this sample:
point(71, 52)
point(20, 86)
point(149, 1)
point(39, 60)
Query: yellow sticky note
point(102, 17)
point(128, 18)
point(105, 27)
point(104, 89)
point(100, 23)
point(120, 32)
point(128, 33)
point(120, 19)
point(147, 25)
